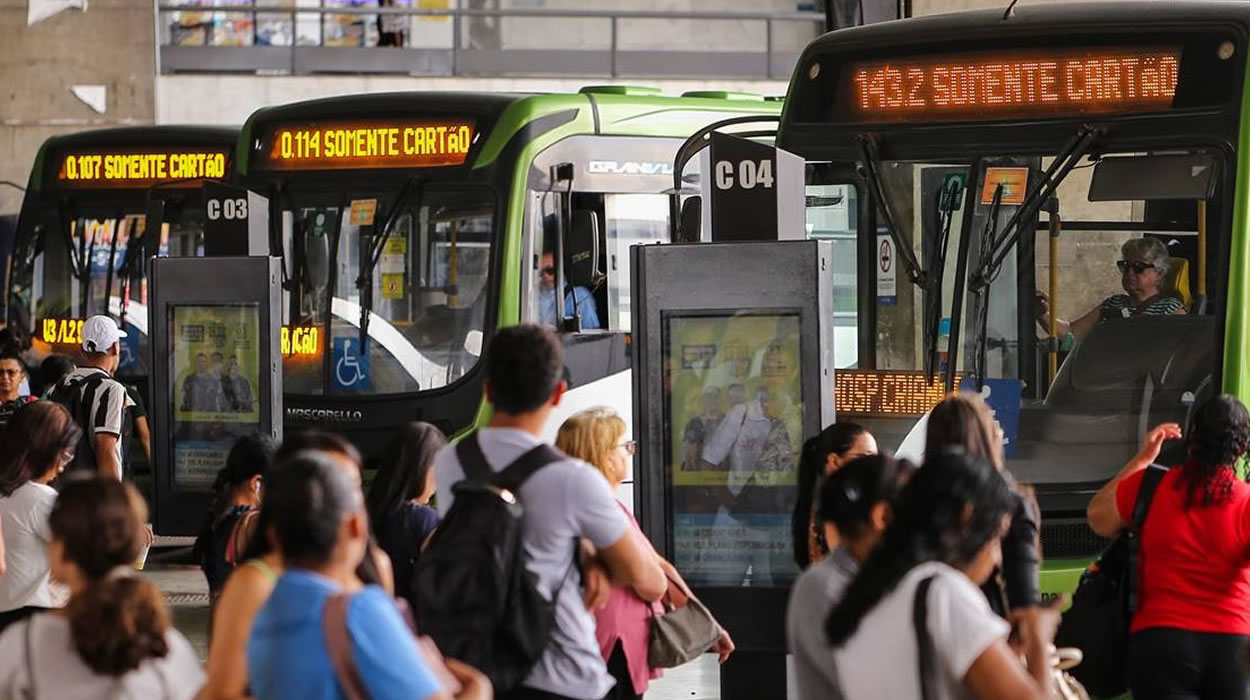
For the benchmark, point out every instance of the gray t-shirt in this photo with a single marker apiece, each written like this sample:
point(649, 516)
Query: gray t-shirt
point(563, 501)
point(60, 673)
point(814, 594)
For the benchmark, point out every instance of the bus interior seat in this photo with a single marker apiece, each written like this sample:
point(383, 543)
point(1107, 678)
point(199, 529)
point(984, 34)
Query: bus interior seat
point(1177, 281)
point(1126, 376)
point(581, 250)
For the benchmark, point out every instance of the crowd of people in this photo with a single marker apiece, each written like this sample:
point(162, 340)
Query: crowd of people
point(321, 589)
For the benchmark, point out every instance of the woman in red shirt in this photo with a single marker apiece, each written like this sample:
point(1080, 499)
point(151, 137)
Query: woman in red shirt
point(1190, 632)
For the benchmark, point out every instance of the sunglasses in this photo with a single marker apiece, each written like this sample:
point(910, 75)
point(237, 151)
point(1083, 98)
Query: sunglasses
point(549, 271)
point(1137, 266)
point(630, 447)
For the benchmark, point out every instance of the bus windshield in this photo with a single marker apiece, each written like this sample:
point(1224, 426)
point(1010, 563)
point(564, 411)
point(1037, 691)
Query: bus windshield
point(84, 267)
point(1135, 340)
point(395, 280)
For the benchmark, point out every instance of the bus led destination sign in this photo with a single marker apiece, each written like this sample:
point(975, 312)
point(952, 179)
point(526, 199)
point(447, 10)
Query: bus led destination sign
point(140, 169)
point(368, 145)
point(1011, 84)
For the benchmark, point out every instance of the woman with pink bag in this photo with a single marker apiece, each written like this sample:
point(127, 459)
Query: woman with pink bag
point(623, 624)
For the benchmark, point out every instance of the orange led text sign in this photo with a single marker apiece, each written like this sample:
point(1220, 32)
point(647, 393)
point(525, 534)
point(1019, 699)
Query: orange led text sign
point(368, 145)
point(61, 331)
point(140, 169)
point(886, 392)
point(301, 340)
point(1016, 84)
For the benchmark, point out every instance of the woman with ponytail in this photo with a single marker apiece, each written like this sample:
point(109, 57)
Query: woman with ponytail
point(1191, 630)
point(230, 520)
point(115, 626)
point(856, 503)
point(915, 603)
point(822, 455)
point(33, 453)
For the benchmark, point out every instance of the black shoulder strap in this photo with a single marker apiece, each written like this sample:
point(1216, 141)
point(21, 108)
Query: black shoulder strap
point(472, 461)
point(924, 643)
point(476, 468)
point(526, 465)
point(1145, 494)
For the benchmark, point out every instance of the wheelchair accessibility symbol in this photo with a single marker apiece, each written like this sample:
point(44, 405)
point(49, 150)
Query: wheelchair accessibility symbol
point(351, 365)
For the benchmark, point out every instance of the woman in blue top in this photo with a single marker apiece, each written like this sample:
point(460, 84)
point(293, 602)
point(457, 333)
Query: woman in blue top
point(1143, 267)
point(399, 500)
point(319, 525)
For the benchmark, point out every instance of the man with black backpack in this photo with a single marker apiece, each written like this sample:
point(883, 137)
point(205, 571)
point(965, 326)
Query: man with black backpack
point(97, 402)
point(499, 584)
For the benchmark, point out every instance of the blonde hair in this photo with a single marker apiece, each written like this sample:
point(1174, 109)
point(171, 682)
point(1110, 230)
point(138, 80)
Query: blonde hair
point(590, 436)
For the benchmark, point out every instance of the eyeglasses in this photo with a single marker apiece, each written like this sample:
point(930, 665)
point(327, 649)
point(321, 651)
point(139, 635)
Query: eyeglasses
point(630, 447)
point(1137, 266)
point(67, 456)
point(549, 271)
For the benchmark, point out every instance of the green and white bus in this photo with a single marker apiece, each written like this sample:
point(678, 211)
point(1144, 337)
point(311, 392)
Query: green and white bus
point(412, 225)
point(986, 157)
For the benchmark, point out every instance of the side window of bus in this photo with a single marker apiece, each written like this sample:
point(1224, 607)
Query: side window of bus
point(832, 215)
point(632, 219)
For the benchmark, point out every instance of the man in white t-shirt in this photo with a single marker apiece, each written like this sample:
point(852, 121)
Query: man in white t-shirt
point(562, 501)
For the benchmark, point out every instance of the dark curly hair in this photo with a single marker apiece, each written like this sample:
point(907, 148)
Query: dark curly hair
point(1219, 436)
point(119, 620)
point(949, 510)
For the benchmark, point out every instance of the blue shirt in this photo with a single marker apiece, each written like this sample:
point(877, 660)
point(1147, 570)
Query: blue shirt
point(586, 307)
point(287, 655)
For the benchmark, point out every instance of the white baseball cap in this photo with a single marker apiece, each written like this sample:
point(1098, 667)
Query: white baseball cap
point(99, 333)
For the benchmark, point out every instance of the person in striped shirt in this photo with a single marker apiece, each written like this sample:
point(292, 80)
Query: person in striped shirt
point(98, 402)
point(1143, 267)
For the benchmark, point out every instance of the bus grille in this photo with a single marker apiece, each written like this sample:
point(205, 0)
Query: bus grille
point(1071, 539)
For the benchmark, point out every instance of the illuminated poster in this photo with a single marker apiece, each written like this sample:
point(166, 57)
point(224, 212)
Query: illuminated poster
point(734, 431)
point(215, 368)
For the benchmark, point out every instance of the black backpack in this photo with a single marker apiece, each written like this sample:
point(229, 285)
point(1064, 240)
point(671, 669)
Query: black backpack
point(471, 590)
point(1102, 608)
point(74, 396)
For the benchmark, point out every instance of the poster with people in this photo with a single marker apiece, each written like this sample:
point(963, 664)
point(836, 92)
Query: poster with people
point(734, 422)
point(216, 375)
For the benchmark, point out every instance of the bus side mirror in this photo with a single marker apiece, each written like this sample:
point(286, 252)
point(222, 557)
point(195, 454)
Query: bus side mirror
point(582, 250)
point(690, 220)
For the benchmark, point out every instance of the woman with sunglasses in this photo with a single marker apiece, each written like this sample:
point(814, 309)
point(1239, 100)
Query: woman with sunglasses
point(623, 625)
point(1143, 267)
point(12, 378)
point(32, 454)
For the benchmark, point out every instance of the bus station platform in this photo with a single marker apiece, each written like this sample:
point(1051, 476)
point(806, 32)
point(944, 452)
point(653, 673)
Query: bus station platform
point(187, 596)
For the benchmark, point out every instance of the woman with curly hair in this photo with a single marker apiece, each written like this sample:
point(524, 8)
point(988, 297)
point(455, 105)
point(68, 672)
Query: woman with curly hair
point(1190, 631)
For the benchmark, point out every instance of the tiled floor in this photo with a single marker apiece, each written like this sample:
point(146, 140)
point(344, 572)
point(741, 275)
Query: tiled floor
point(188, 600)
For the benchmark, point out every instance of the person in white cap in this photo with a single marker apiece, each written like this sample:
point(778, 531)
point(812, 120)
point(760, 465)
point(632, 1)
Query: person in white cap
point(97, 401)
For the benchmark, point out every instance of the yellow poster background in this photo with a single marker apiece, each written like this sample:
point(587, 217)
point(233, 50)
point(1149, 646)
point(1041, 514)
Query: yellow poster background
point(216, 364)
point(716, 356)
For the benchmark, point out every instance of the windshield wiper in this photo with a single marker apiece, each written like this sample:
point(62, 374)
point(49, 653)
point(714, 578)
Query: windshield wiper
point(998, 248)
point(980, 331)
point(947, 202)
point(872, 167)
point(1073, 151)
point(414, 190)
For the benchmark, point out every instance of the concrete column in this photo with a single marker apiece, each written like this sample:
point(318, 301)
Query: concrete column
point(111, 44)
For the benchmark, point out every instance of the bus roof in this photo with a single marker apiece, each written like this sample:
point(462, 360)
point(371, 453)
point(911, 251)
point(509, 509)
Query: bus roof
point(128, 137)
point(1031, 20)
point(503, 116)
